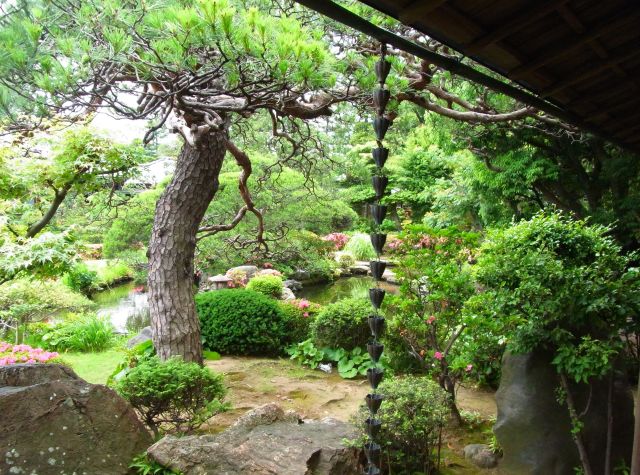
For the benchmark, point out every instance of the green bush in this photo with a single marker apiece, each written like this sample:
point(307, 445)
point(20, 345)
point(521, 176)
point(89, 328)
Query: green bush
point(114, 272)
point(345, 259)
point(298, 316)
point(85, 333)
point(342, 324)
point(414, 411)
point(81, 279)
point(241, 322)
point(174, 395)
point(269, 285)
point(359, 246)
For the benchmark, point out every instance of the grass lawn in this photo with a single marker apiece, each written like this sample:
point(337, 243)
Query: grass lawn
point(94, 367)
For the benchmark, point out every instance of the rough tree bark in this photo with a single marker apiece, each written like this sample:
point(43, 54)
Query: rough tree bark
point(180, 209)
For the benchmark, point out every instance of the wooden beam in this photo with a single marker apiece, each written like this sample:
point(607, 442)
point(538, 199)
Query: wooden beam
point(608, 25)
point(418, 9)
point(592, 70)
point(510, 25)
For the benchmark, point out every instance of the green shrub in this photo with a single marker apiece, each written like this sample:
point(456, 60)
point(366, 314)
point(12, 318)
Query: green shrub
point(342, 324)
point(174, 395)
point(360, 247)
point(345, 259)
point(269, 285)
point(80, 333)
point(298, 316)
point(413, 413)
point(81, 279)
point(241, 322)
point(113, 273)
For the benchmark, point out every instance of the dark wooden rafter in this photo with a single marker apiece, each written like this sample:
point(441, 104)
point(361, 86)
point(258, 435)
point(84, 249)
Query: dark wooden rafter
point(510, 25)
point(419, 8)
point(561, 49)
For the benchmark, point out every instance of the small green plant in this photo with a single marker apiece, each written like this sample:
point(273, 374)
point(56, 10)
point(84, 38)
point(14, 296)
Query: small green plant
point(142, 465)
point(133, 356)
point(348, 363)
point(241, 322)
point(359, 246)
point(84, 333)
point(342, 325)
point(81, 279)
point(173, 395)
point(269, 285)
point(345, 259)
point(413, 414)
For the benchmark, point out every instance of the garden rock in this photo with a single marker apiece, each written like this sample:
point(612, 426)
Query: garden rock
point(533, 429)
point(481, 455)
point(292, 284)
point(53, 422)
point(287, 294)
point(249, 271)
point(144, 335)
point(265, 441)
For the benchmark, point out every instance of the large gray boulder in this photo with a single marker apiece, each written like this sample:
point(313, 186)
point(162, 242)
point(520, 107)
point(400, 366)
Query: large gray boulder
point(249, 271)
point(53, 422)
point(265, 441)
point(533, 429)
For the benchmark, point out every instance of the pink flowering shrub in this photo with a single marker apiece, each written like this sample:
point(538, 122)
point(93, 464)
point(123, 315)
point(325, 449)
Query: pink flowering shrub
point(269, 271)
point(299, 314)
point(238, 278)
point(339, 240)
point(14, 354)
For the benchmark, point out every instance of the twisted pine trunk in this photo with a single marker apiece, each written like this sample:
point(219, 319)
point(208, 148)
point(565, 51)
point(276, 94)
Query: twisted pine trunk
point(180, 209)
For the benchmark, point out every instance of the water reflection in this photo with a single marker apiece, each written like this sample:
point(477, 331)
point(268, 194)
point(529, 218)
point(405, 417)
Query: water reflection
point(347, 287)
point(126, 306)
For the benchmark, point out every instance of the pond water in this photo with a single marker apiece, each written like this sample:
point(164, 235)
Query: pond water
point(126, 305)
point(346, 287)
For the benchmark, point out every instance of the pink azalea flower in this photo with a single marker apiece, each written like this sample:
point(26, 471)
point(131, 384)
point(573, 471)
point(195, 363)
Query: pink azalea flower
point(431, 319)
point(305, 314)
point(438, 355)
point(304, 303)
point(31, 360)
point(468, 368)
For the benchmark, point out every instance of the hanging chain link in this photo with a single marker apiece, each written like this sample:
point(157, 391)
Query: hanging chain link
point(379, 181)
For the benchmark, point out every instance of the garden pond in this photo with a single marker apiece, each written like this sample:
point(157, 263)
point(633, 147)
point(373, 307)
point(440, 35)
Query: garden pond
point(127, 307)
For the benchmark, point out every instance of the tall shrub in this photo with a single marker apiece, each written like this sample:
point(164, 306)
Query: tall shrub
point(342, 324)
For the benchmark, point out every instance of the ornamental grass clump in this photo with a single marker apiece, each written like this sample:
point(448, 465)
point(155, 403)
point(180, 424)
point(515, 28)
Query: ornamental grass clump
point(172, 395)
point(84, 333)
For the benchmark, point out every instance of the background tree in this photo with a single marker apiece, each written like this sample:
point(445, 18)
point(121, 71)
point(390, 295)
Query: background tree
point(203, 68)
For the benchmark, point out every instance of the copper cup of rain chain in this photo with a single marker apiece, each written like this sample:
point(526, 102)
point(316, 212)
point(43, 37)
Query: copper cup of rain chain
point(372, 470)
point(374, 401)
point(383, 67)
point(380, 156)
point(379, 212)
point(373, 427)
point(372, 451)
point(379, 185)
point(381, 99)
point(376, 324)
point(374, 376)
point(377, 241)
point(380, 126)
point(377, 269)
point(375, 351)
point(376, 296)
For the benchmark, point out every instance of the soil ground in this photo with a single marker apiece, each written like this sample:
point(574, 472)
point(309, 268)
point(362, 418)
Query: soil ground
point(313, 394)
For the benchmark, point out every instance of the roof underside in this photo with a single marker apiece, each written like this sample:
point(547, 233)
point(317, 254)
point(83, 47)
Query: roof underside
point(581, 55)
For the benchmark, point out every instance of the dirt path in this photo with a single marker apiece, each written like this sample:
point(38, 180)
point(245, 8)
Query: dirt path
point(311, 393)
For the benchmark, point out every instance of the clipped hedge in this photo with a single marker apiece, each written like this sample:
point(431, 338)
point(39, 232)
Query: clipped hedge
point(269, 285)
point(241, 322)
point(342, 324)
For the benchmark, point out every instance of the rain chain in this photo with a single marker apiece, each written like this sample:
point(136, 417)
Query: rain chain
point(376, 295)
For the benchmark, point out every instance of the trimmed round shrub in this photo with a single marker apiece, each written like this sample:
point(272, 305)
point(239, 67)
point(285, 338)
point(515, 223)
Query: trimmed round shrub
point(241, 322)
point(345, 259)
point(342, 324)
point(269, 285)
point(414, 411)
point(174, 395)
point(298, 316)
